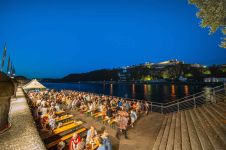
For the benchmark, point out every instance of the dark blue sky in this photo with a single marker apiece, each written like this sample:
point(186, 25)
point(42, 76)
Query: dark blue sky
point(54, 38)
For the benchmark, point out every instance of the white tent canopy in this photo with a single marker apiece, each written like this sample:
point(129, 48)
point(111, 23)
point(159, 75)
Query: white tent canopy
point(33, 84)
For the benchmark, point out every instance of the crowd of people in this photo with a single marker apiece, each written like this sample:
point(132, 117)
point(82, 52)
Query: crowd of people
point(46, 103)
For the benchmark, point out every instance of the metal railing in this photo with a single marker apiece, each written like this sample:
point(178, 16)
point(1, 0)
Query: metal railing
point(213, 95)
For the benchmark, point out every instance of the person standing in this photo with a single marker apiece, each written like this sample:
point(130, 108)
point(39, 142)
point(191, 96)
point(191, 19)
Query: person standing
point(146, 106)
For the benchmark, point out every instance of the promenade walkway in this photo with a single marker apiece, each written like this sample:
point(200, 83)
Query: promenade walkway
point(141, 137)
point(23, 134)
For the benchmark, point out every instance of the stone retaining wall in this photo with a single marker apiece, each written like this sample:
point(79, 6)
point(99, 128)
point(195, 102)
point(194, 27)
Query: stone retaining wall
point(23, 133)
point(7, 89)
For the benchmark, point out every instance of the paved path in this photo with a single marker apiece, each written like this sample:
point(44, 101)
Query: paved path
point(23, 134)
point(141, 137)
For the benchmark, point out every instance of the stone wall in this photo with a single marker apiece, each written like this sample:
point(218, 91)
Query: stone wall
point(23, 133)
point(7, 90)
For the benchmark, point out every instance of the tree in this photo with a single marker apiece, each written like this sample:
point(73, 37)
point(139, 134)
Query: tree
point(213, 16)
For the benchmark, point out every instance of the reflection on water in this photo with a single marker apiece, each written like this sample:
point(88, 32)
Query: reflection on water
point(103, 87)
point(133, 91)
point(154, 92)
point(111, 89)
point(173, 93)
point(147, 91)
point(186, 90)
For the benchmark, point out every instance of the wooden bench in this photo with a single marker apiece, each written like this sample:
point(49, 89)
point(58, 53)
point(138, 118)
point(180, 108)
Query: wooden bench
point(64, 138)
point(98, 115)
point(95, 146)
point(106, 119)
point(64, 128)
point(65, 117)
point(88, 112)
point(67, 127)
point(95, 114)
point(112, 123)
point(67, 123)
point(59, 112)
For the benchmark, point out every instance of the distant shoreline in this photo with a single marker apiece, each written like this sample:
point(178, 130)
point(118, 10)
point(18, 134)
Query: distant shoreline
point(142, 82)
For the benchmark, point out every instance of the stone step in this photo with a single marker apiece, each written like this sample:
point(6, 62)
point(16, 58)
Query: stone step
point(194, 140)
point(223, 104)
point(218, 118)
point(221, 95)
point(219, 98)
point(166, 133)
point(217, 111)
point(203, 138)
point(159, 137)
point(213, 137)
point(169, 145)
point(186, 145)
point(177, 139)
point(219, 108)
point(221, 132)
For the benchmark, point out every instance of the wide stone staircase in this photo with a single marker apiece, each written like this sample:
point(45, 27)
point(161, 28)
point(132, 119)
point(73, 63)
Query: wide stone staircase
point(198, 128)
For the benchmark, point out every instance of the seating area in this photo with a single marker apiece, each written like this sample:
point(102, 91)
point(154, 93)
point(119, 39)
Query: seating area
point(59, 128)
point(202, 127)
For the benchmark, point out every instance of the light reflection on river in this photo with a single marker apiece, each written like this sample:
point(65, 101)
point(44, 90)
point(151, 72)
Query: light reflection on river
point(154, 92)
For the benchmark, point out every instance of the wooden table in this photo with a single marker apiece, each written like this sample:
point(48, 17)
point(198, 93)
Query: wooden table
point(68, 136)
point(59, 112)
point(98, 115)
point(62, 118)
point(95, 114)
point(67, 127)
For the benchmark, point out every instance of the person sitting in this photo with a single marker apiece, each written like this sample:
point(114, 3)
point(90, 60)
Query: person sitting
point(100, 144)
point(61, 146)
point(133, 117)
point(109, 112)
point(52, 122)
point(127, 106)
point(75, 140)
point(104, 110)
point(81, 145)
point(57, 107)
point(138, 108)
point(106, 140)
point(91, 133)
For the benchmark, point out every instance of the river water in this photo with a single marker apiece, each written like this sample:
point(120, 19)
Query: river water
point(154, 92)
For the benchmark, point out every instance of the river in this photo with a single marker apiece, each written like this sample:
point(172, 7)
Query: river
point(154, 92)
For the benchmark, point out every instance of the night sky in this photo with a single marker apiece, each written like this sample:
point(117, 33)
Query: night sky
point(55, 38)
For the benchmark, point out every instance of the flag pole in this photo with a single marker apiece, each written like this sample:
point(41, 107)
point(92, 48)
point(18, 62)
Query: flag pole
point(3, 58)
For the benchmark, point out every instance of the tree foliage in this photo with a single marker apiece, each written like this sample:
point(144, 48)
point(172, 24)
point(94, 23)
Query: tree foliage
point(213, 16)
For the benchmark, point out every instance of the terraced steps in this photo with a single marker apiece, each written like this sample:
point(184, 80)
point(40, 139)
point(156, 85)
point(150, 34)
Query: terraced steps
point(200, 128)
